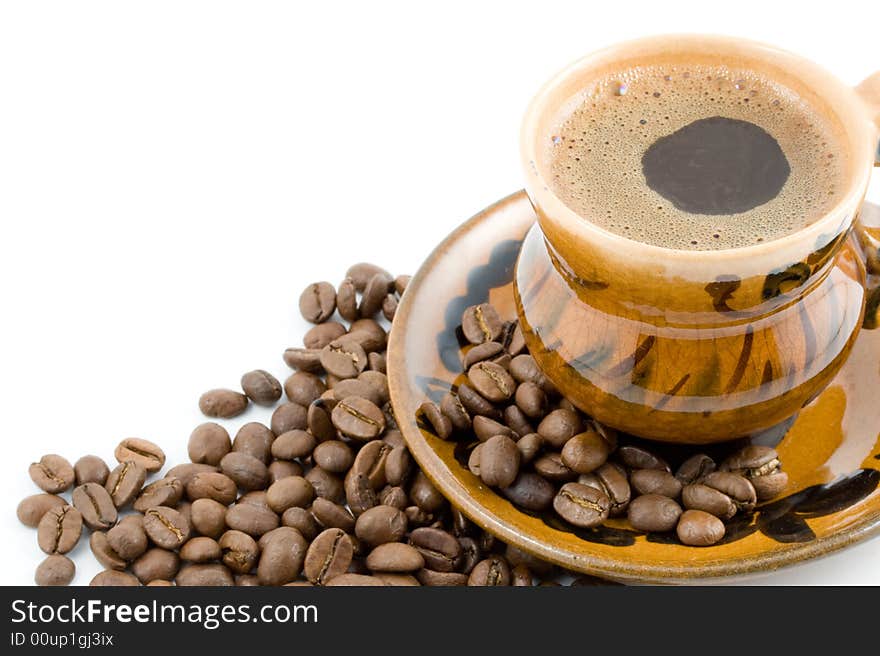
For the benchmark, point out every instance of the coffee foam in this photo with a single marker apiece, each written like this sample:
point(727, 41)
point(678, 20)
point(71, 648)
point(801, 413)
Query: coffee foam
point(594, 154)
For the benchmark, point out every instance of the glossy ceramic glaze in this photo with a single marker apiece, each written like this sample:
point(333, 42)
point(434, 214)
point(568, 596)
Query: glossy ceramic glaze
point(831, 451)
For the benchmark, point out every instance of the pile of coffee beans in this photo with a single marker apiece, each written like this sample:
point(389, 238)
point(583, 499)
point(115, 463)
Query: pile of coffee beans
point(540, 452)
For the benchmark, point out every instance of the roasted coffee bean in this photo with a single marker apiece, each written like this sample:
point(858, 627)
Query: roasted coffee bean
point(349, 579)
point(481, 352)
point(699, 529)
point(128, 538)
point(531, 399)
point(517, 421)
point(655, 481)
point(636, 457)
point(374, 294)
point(344, 357)
point(104, 553)
point(418, 518)
point(222, 403)
point(394, 496)
point(255, 520)
point(356, 387)
point(523, 368)
point(738, 488)
point(247, 472)
point(59, 529)
point(114, 579)
point(255, 498)
point(369, 334)
point(376, 381)
point(304, 388)
point(52, 473)
point(398, 466)
point(585, 452)
point(393, 438)
point(476, 404)
point(437, 422)
point(288, 417)
point(611, 479)
point(653, 513)
point(358, 418)
point(452, 407)
point(31, 509)
point(250, 580)
point(303, 359)
point(441, 551)
point(381, 524)
point(582, 505)
point(551, 467)
point(697, 496)
point(165, 492)
point(125, 482)
point(318, 420)
point(395, 557)
point(481, 323)
point(255, 440)
point(529, 446)
point(95, 505)
point(499, 461)
point(346, 300)
point(55, 570)
point(377, 362)
point(166, 527)
point(319, 336)
point(326, 485)
point(90, 469)
point(484, 428)
point(186, 472)
point(494, 570)
point(521, 576)
point(239, 551)
point(156, 564)
point(761, 466)
point(207, 575)
point(302, 520)
point(425, 495)
point(694, 469)
point(143, 452)
point(328, 556)
point(512, 338)
point(442, 579)
point(491, 381)
point(261, 387)
point(471, 554)
point(560, 426)
point(317, 302)
point(212, 485)
point(279, 469)
point(208, 443)
point(333, 515)
point(360, 494)
point(201, 549)
point(401, 283)
point(293, 444)
point(289, 492)
point(361, 273)
point(530, 491)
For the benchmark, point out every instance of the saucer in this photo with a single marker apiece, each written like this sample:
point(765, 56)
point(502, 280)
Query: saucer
point(831, 450)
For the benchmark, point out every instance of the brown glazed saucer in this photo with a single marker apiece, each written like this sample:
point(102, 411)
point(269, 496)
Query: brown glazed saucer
point(831, 450)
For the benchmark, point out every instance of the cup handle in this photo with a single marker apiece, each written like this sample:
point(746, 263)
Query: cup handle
point(869, 91)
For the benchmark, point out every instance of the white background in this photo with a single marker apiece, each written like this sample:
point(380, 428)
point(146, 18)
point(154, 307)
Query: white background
point(173, 173)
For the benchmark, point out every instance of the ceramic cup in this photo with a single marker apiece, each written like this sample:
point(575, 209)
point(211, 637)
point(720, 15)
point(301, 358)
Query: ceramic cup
point(695, 346)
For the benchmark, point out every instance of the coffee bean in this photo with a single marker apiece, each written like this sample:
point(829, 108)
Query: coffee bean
point(52, 473)
point(442, 579)
point(437, 422)
point(204, 575)
point(551, 467)
point(156, 564)
point(247, 472)
point(143, 452)
point(481, 352)
point(302, 520)
point(362, 272)
point(491, 381)
point(529, 446)
point(394, 496)
point(491, 571)
point(31, 509)
point(334, 456)
point(398, 466)
point(128, 539)
point(304, 388)
point(208, 443)
point(255, 520)
point(55, 570)
point(381, 524)
point(95, 505)
point(333, 515)
point(471, 554)
point(261, 387)
point(699, 529)
point(222, 403)
point(585, 452)
point(530, 491)
point(512, 338)
point(208, 517)
point(531, 399)
point(293, 444)
point(114, 579)
point(358, 418)
point(318, 421)
point(611, 479)
point(374, 294)
point(165, 492)
point(279, 469)
point(475, 404)
point(653, 513)
point(328, 556)
point(737, 488)
point(517, 421)
point(395, 557)
point(481, 323)
point(425, 495)
point(91, 469)
point(401, 283)
point(186, 472)
point(166, 527)
point(317, 302)
point(346, 300)
point(344, 357)
point(582, 505)
point(125, 482)
point(104, 553)
point(761, 466)
point(319, 336)
point(440, 550)
point(377, 362)
point(393, 438)
point(523, 368)
point(369, 334)
point(560, 426)
point(499, 461)
point(697, 496)
point(254, 439)
point(289, 492)
point(255, 498)
point(212, 485)
point(240, 552)
point(485, 428)
point(694, 469)
point(325, 484)
point(452, 407)
point(200, 550)
point(59, 529)
point(636, 457)
point(655, 481)
point(354, 580)
point(304, 359)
